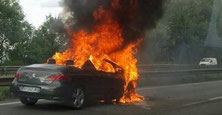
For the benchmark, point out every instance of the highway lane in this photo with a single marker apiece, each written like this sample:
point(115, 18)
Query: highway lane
point(197, 98)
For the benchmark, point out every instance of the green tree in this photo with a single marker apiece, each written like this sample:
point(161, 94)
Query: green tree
point(18, 55)
point(45, 42)
point(189, 21)
point(182, 31)
point(14, 31)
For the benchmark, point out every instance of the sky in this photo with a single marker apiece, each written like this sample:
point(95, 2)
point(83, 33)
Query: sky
point(37, 10)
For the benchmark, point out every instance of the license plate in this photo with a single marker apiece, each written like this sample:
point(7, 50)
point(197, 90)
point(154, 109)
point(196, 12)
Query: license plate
point(30, 89)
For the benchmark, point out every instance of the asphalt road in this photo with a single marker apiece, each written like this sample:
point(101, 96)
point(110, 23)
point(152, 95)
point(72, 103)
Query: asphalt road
point(186, 99)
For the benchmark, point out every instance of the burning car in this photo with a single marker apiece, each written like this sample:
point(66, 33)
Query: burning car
point(73, 86)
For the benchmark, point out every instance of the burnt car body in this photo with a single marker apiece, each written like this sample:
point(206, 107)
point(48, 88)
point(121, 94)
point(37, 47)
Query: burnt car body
point(69, 84)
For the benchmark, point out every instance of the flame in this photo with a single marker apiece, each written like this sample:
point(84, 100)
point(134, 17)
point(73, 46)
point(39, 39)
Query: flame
point(105, 42)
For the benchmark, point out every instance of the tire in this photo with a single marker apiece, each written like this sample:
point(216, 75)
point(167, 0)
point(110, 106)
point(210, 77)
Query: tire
point(28, 101)
point(78, 98)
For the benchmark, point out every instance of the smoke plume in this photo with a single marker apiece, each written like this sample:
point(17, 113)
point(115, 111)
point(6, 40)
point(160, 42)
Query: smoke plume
point(133, 16)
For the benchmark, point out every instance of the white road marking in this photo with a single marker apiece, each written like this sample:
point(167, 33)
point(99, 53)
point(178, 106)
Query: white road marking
point(180, 85)
point(215, 98)
point(16, 102)
point(204, 101)
point(10, 103)
point(195, 103)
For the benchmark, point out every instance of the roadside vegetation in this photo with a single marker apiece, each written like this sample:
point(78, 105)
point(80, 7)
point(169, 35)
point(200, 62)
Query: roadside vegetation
point(4, 92)
point(179, 37)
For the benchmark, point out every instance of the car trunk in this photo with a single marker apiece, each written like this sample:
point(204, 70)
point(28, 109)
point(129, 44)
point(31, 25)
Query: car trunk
point(36, 75)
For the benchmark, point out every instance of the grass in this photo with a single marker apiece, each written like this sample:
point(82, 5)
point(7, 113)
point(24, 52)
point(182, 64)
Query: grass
point(4, 92)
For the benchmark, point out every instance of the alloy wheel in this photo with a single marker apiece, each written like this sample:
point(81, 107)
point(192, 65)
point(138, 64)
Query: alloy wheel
point(78, 98)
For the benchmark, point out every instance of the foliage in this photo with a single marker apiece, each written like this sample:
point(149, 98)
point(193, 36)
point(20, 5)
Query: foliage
point(182, 32)
point(45, 42)
point(4, 92)
point(20, 42)
point(11, 22)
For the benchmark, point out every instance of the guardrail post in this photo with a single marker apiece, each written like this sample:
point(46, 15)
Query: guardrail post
point(5, 71)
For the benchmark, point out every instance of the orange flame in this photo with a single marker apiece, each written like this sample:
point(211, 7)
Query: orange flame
point(105, 42)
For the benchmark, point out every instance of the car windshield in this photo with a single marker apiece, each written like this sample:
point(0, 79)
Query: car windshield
point(112, 57)
point(205, 60)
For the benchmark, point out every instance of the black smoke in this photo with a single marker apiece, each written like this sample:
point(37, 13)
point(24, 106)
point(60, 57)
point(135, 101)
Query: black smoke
point(133, 19)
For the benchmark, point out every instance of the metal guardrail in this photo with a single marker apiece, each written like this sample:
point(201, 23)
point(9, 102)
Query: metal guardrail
point(6, 81)
point(7, 72)
point(4, 70)
point(169, 67)
point(206, 70)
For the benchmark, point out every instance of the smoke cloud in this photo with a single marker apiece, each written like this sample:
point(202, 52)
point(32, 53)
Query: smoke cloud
point(133, 16)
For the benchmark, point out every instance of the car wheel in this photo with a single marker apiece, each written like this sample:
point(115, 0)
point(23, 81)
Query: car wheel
point(28, 101)
point(78, 98)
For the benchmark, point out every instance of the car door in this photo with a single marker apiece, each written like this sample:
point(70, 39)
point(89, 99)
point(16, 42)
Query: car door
point(86, 79)
point(94, 83)
point(107, 83)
